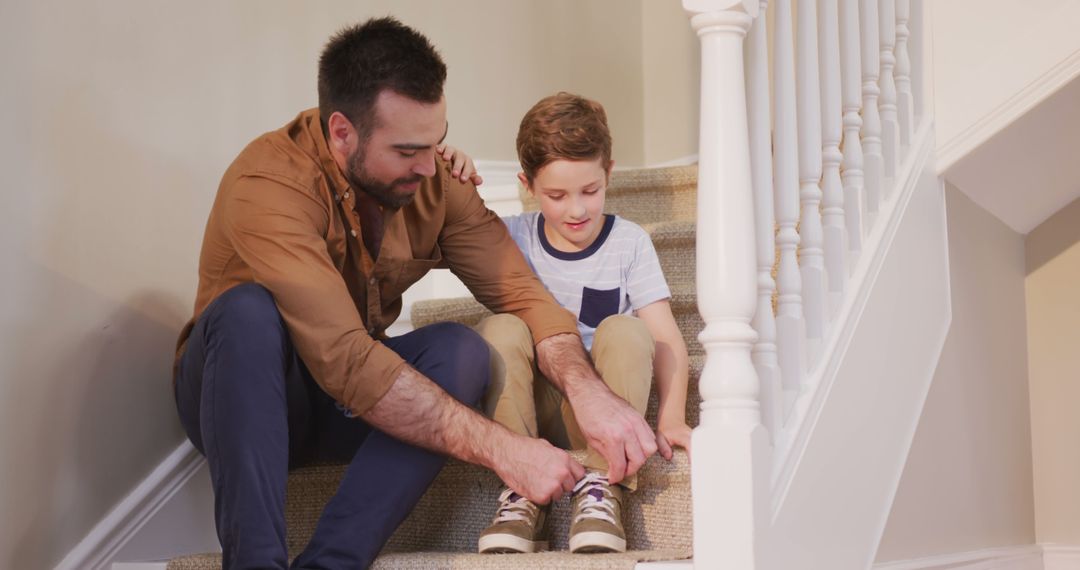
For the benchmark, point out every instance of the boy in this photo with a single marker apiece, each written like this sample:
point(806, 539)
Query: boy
point(604, 270)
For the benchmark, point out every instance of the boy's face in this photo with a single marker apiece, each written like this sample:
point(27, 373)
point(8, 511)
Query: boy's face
point(571, 196)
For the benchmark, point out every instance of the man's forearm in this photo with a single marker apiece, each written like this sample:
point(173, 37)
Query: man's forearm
point(562, 360)
point(415, 410)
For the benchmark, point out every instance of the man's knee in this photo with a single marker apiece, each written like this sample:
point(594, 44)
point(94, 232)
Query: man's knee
point(467, 356)
point(249, 306)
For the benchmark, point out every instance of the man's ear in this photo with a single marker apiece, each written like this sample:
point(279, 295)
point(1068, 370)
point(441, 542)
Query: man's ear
point(342, 136)
point(525, 182)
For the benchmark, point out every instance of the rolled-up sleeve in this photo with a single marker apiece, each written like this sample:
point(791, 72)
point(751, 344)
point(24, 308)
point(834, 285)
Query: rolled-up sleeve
point(279, 231)
point(480, 251)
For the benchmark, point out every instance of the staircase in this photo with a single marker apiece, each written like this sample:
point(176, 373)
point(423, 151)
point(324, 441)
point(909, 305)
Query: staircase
point(443, 529)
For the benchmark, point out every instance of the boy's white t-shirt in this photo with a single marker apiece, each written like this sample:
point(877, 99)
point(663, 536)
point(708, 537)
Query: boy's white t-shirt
point(618, 274)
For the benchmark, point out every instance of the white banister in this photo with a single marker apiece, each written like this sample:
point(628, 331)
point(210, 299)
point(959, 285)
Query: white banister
point(905, 105)
point(832, 211)
point(874, 162)
point(851, 83)
point(890, 128)
point(808, 103)
point(757, 107)
point(790, 328)
point(730, 471)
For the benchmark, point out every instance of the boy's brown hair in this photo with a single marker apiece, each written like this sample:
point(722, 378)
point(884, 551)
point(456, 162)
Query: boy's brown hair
point(563, 126)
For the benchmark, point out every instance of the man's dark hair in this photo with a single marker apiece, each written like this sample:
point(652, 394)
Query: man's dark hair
point(361, 61)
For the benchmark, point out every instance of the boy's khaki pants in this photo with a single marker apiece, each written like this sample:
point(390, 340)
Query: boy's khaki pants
point(521, 399)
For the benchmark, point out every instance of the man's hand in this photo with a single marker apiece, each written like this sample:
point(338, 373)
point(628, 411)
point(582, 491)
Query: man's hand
point(461, 165)
point(615, 429)
point(610, 425)
point(537, 470)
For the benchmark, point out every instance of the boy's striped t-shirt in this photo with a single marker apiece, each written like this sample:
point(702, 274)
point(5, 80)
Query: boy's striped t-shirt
point(618, 274)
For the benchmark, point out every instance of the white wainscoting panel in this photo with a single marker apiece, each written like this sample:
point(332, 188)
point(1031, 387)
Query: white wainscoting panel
point(1061, 557)
point(1028, 557)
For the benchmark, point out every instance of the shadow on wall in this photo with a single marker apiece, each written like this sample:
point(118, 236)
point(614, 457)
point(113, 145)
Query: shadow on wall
point(89, 405)
point(1052, 237)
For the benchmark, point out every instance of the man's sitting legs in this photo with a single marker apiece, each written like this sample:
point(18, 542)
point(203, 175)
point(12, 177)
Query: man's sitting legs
point(247, 401)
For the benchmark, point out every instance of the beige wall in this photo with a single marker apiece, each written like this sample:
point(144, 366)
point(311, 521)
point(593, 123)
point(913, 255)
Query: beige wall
point(967, 483)
point(119, 118)
point(672, 71)
point(1053, 320)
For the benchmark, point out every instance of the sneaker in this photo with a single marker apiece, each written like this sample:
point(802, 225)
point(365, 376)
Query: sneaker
point(516, 526)
point(596, 523)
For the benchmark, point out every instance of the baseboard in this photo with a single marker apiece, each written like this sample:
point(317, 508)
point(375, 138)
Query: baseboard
point(962, 144)
point(108, 537)
point(1061, 557)
point(1028, 557)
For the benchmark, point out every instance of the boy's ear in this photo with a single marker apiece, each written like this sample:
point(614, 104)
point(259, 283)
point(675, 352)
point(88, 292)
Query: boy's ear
point(525, 182)
point(610, 167)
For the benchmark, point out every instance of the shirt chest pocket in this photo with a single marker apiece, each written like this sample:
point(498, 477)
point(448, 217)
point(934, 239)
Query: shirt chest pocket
point(409, 272)
point(597, 305)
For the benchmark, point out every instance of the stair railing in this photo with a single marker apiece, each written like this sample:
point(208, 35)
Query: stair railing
point(804, 184)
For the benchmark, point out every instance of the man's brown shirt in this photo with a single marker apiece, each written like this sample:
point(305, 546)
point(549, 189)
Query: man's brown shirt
point(285, 218)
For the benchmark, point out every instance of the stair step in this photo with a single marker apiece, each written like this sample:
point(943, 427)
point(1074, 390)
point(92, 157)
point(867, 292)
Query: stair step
point(443, 529)
point(467, 561)
point(646, 195)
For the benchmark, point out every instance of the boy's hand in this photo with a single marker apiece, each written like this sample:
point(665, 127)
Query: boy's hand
point(461, 165)
point(537, 470)
point(672, 434)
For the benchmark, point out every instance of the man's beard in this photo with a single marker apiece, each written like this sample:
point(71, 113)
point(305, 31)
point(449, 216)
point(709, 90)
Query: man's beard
point(383, 193)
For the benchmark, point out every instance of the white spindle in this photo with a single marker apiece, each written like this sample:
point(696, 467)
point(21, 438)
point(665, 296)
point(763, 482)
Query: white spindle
point(730, 476)
point(790, 327)
point(890, 127)
point(874, 163)
point(808, 102)
point(915, 47)
point(832, 211)
point(757, 103)
point(905, 105)
point(851, 81)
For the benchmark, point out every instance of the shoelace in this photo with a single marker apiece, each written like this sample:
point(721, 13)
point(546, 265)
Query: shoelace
point(596, 504)
point(514, 507)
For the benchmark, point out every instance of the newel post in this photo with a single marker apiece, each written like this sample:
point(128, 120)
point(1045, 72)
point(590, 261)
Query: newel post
point(730, 477)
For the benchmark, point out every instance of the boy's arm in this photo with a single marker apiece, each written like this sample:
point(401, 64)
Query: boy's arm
point(671, 368)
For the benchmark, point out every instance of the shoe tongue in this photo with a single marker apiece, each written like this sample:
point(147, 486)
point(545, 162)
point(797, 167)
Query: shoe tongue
point(514, 497)
point(597, 494)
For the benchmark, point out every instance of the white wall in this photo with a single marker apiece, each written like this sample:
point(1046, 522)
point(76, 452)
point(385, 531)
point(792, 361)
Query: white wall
point(967, 484)
point(987, 51)
point(1053, 320)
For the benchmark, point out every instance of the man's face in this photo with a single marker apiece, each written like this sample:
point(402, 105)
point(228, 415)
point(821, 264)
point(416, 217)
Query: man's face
point(400, 152)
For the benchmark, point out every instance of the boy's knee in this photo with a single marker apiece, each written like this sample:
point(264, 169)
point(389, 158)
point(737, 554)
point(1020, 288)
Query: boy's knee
point(506, 333)
point(623, 333)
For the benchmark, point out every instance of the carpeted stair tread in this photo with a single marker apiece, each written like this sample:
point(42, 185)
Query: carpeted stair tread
point(467, 561)
point(461, 502)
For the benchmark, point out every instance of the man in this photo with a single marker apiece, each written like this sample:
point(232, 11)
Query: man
point(316, 231)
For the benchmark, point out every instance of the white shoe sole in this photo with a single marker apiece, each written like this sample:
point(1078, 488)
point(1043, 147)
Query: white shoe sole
point(504, 543)
point(585, 542)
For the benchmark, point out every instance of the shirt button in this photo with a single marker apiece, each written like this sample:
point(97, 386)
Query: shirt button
point(346, 195)
point(353, 232)
point(371, 330)
point(372, 280)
